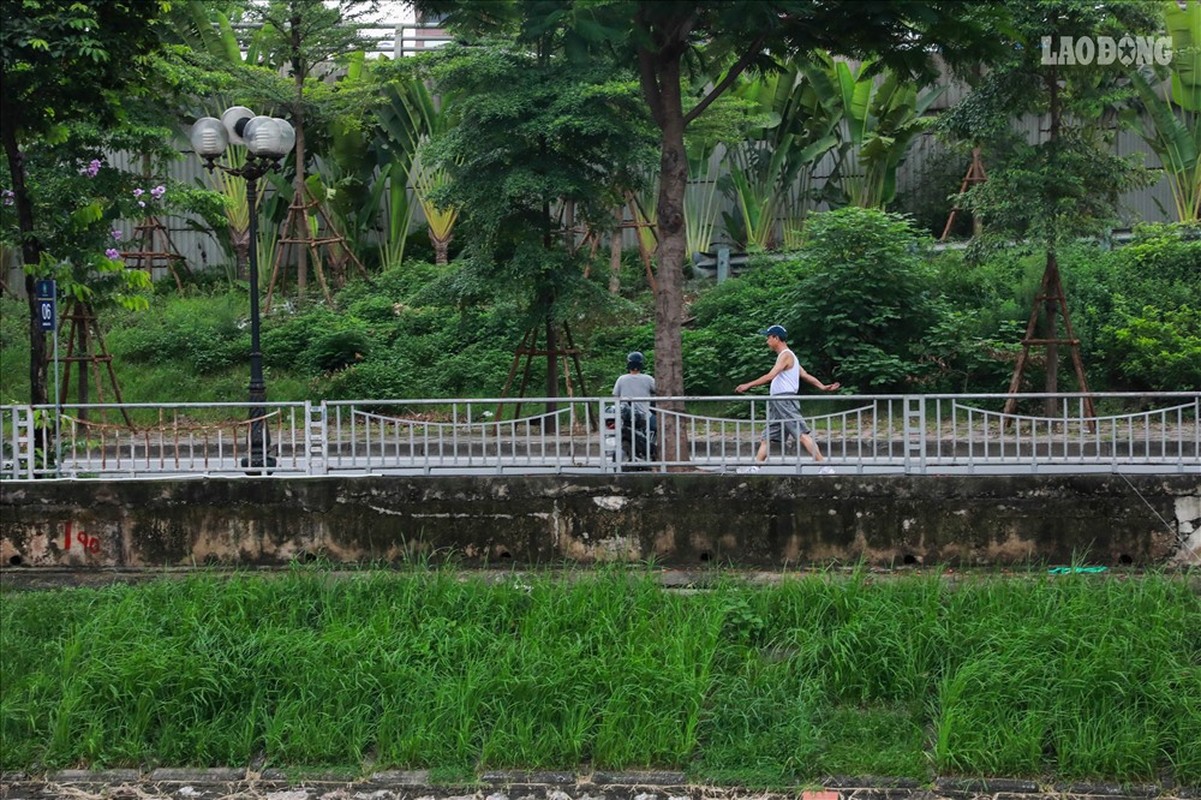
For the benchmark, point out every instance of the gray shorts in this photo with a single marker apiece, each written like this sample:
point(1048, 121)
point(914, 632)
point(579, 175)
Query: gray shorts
point(784, 419)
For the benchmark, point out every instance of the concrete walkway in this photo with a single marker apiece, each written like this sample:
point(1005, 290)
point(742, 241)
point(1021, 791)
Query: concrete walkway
point(233, 784)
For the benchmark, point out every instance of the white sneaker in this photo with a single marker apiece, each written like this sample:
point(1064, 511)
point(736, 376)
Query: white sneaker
point(826, 471)
point(747, 470)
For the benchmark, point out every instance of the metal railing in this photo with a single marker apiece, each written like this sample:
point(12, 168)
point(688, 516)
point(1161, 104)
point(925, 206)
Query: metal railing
point(858, 434)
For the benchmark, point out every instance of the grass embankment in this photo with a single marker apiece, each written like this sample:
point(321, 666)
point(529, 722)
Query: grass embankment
point(1068, 677)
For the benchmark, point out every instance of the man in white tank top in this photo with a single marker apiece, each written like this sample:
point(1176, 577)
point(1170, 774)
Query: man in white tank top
point(784, 418)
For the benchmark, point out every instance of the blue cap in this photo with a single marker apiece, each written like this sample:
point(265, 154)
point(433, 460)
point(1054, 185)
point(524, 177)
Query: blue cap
point(776, 330)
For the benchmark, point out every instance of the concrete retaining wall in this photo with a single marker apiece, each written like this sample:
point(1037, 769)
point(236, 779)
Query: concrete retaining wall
point(679, 520)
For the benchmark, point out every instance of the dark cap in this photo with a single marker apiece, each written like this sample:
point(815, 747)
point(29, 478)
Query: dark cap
point(776, 330)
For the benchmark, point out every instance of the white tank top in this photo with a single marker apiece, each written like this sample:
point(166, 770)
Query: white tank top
point(788, 381)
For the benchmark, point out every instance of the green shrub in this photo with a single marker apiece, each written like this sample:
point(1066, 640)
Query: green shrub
point(209, 333)
point(374, 309)
point(318, 341)
point(395, 284)
point(380, 379)
point(337, 349)
point(14, 350)
point(963, 358)
point(868, 300)
point(1146, 290)
point(1158, 349)
point(1169, 253)
point(285, 340)
point(1000, 287)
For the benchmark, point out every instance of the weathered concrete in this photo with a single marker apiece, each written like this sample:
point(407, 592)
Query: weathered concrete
point(678, 519)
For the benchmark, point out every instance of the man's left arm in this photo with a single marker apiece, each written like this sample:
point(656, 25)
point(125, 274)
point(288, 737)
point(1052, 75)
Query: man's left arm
point(812, 381)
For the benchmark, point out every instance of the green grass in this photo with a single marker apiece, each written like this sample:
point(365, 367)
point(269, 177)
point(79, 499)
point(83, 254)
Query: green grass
point(1071, 677)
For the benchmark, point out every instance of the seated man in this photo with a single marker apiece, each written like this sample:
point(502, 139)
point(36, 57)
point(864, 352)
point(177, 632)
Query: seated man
point(635, 383)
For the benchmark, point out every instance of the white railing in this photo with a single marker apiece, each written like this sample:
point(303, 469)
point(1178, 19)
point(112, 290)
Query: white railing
point(860, 434)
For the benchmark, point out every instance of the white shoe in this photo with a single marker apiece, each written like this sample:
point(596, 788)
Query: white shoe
point(747, 470)
point(826, 471)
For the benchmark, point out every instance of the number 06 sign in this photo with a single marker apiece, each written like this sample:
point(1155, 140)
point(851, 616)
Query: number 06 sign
point(44, 293)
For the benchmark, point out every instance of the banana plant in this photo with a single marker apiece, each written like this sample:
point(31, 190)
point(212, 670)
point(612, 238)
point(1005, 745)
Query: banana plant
point(411, 118)
point(391, 197)
point(1171, 124)
point(795, 128)
point(220, 41)
point(347, 176)
point(237, 210)
point(1184, 26)
point(702, 202)
point(440, 221)
point(879, 120)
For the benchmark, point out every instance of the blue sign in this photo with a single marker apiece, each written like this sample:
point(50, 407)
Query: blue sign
point(45, 292)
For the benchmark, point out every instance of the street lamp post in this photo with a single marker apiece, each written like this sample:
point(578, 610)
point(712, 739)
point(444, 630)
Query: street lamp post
point(267, 140)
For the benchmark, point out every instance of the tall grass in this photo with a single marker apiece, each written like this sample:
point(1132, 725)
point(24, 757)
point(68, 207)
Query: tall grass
point(1069, 677)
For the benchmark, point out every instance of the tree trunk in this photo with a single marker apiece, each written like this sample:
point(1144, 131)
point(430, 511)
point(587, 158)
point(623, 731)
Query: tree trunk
point(240, 239)
point(552, 372)
point(1051, 334)
point(669, 283)
point(441, 249)
point(31, 255)
point(84, 349)
point(298, 71)
point(1052, 267)
point(615, 256)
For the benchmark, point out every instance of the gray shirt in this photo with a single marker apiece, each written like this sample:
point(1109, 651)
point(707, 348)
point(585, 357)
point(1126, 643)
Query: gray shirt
point(636, 384)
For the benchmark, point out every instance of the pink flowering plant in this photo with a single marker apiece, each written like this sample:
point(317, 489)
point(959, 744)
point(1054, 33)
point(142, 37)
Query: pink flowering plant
point(77, 209)
point(78, 203)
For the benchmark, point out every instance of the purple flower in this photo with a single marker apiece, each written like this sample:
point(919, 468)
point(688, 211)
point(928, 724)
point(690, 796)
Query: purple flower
point(141, 203)
point(158, 191)
point(93, 168)
point(139, 192)
point(112, 254)
point(116, 235)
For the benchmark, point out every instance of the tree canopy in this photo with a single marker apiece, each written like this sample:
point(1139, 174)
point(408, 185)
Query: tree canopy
point(540, 145)
point(65, 67)
point(657, 39)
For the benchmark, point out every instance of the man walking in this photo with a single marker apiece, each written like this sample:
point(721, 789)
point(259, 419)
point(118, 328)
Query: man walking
point(783, 409)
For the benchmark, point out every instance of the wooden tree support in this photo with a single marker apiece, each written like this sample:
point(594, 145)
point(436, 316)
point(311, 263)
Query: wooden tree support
point(528, 348)
point(155, 249)
point(638, 221)
point(1050, 295)
point(591, 238)
point(85, 330)
point(297, 222)
point(975, 174)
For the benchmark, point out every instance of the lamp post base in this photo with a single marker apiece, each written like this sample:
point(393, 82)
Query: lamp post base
point(258, 465)
point(258, 460)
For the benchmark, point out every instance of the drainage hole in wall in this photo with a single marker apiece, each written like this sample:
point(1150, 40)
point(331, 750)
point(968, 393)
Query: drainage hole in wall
point(909, 558)
point(1124, 559)
point(705, 556)
point(15, 561)
point(305, 557)
point(505, 554)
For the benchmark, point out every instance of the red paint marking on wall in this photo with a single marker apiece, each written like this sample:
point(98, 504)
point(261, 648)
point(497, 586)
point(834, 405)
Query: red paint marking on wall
point(87, 542)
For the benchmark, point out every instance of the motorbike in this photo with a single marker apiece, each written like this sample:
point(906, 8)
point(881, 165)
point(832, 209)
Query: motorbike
point(639, 438)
